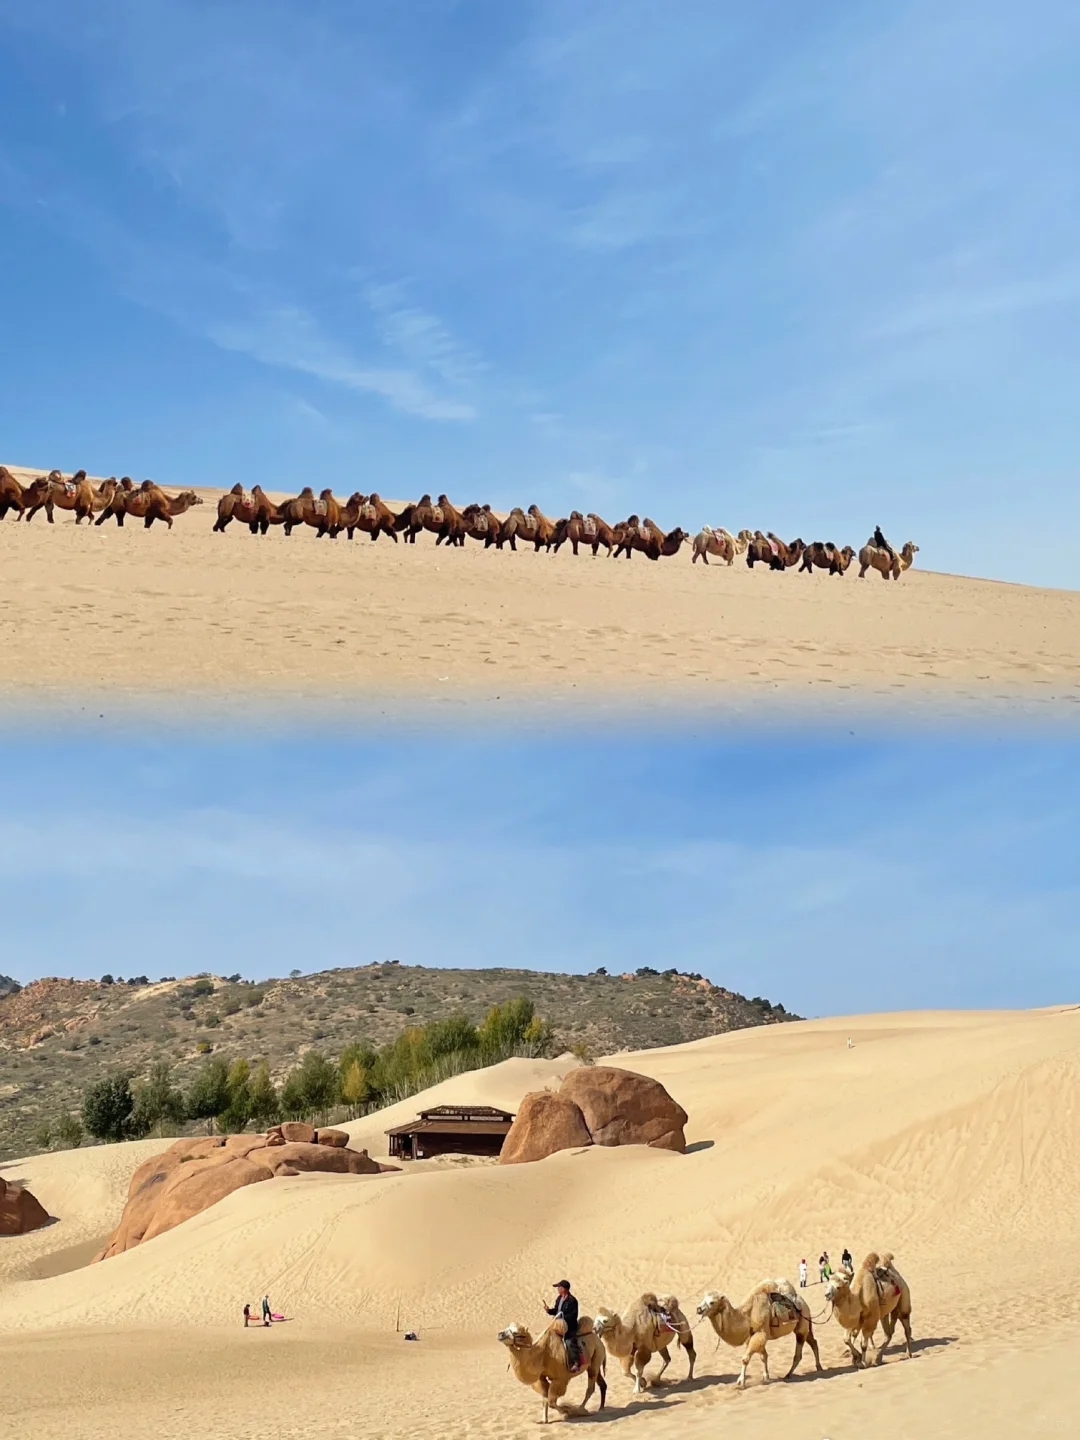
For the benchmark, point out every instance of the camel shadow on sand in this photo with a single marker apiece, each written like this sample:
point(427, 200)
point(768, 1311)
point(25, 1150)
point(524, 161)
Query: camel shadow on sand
point(699, 1145)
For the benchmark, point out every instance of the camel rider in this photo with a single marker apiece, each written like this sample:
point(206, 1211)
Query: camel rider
point(566, 1310)
point(882, 543)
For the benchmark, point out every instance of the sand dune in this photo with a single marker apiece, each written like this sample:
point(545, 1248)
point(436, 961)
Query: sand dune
point(109, 613)
point(950, 1138)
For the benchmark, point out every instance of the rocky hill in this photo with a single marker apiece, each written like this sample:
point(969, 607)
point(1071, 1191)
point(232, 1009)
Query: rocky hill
point(58, 1036)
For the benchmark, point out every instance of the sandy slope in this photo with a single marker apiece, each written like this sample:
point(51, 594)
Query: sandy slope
point(110, 613)
point(952, 1139)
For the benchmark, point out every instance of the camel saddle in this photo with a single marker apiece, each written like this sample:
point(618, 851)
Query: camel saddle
point(774, 547)
point(783, 1309)
point(246, 500)
point(367, 512)
point(588, 528)
point(70, 488)
point(319, 507)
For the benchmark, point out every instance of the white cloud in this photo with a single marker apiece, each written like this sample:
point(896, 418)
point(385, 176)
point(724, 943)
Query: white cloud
point(290, 337)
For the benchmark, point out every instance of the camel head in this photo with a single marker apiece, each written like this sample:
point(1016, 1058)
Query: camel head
point(712, 1304)
point(606, 1320)
point(190, 497)
point(355, 498)
point(515, 1337)
point(839, 1282)
point(373, 498)
point(677, 536)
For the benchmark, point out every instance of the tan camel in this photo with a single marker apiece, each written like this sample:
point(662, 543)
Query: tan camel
point(116, 505)
point(12, 494)
point(77, 494)
point(827, 556)
point(453, 529)
point(542, 1364)
point(877, 1294)
point(651, 1326)
point(721, 543)
point(304, 509)
point(771, 1310)
point(584, 530)
point(375, 518)
point(874, 557)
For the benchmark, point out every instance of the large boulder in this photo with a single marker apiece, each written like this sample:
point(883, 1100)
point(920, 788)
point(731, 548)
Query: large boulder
point(337, 1138)
point(545, 1122)
point(20, 1211)
point(596, 1105)
point(623, 1108)
point(195, 1173)
point(295, 1132)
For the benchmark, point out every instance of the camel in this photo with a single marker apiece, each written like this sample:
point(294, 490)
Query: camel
point(481, 523)
point(304, 509)
point(235, 504)
point(827, 556)
point(873, 557)
point(542, 1364)
point(772, 1309)
point(453, 528)
point(877, 1294)
point(646, 536)
point(424, 515)
point(375, 517)
point(584, 530)
point(11, 493)
point(770, 550)
point(77, 494)
point(148, 502)
point(531, 524)
point(721, 543)
point(650, 1326)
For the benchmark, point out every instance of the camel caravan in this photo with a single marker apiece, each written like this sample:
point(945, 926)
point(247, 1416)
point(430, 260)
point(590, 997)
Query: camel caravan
point(330, 517)
point(874, 1296)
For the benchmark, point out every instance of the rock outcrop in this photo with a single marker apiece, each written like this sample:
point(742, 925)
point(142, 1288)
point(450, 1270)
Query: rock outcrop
point(545, 1122)
point(20, 1211)
point(596, 1105)
point(196, 1173)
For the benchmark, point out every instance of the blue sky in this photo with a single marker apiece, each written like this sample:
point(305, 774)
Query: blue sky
point(834, 873)
point(808, 267)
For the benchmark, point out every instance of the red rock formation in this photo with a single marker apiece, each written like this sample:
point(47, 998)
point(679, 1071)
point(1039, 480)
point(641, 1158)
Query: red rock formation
point(194, 1174)
point(596, 1105)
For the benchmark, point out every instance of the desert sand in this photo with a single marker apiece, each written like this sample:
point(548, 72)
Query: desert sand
point(952, 1139)
point(106, 613)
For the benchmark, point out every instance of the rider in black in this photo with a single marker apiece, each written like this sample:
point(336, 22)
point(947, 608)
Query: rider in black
point(882, 543)
point(566, 1310)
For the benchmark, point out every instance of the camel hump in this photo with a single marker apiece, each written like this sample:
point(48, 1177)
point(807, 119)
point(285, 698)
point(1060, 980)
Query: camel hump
point(585, 1325)
point(872, 1261)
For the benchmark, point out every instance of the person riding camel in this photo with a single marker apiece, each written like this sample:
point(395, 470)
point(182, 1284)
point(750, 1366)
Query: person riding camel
point(882, 543)
point(566, 1310)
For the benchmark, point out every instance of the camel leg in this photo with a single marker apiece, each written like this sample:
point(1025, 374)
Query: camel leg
point(754, 1346)
point(601, 1385)
point(798, 1356)
point(666, 1356)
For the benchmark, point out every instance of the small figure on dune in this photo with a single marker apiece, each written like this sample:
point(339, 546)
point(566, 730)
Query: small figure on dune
point(804, 1273)
point(266, 1312)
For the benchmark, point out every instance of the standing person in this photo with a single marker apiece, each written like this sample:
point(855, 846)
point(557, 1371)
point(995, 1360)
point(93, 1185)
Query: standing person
point(566, 1309)
point(266, 1309)
point(247, 1315)
point(803, 1273)
point(846, 1260)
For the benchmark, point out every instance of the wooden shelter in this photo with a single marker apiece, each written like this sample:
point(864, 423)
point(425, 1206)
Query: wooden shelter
point(451, 1129)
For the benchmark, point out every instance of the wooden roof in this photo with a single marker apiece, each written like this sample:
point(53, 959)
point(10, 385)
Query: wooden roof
point(458, 1120)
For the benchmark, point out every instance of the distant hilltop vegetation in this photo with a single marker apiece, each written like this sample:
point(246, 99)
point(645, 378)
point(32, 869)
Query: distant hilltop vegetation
point(59, 1036)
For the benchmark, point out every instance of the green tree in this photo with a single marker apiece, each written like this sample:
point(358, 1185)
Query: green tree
point(43, 1135)
point(454, 1035)
point(157, 1102)
point(265, 1105)
point(107, 1107)
point(293, 1100)
point(320, 1080)
point(69, 1131)
point(505, 1026)
point(209, 1094)
point(238, 1113)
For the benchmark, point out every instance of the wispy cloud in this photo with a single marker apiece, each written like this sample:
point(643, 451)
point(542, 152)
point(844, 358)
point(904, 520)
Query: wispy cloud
point(291, 338)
